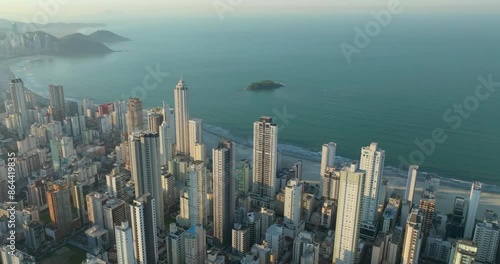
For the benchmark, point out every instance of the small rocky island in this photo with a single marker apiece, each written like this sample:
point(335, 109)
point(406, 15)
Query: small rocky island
point(264, 85)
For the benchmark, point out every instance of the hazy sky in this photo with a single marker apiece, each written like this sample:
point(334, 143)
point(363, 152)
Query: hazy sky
point(80, 9)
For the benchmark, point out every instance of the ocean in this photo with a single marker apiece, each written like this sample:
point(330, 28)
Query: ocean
point(396, 91)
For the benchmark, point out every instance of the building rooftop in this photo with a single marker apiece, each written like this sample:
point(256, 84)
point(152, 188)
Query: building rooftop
point(389, 212)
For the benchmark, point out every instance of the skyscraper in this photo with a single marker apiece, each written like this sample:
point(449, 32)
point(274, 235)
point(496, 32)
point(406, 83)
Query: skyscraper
point(197, 189)
point(240, 239)
point(372, 161)
point(134, 115)
point(275, 237)
point(463, 252)
point(57, 102)
point(243, 177)
point(410, 183)
point(427, 210)
point(305, 249)
point(347, 229)
point(224, 159)
point(296, 170)
point(115, 183)
point(67, 148)
point(168, 188)
point(293, 202)
point(95, 203)
point(265, 157)
point(330, 184)
point(413, 238)
point(114, 213)
point(457, 218)
point(167, 135)
point(18, 99)
point(144, 229)
point(195, 245)
point(328, 157)
point(195, 134)
point(145, 169)
point(155, 119)
point(34, 234)
point(88, 107)
point(124, 244)
point(176, 244)
point(79, 202)
point(59, 202)
point(119, 115)
point(200, 152)
point(181, 118)
point(327, 212)
point(487, 238)
point(470, 222)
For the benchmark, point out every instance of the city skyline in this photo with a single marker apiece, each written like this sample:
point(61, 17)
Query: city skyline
point(209, 195)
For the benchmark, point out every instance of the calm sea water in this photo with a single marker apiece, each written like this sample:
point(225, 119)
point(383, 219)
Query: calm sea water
point(395, 91)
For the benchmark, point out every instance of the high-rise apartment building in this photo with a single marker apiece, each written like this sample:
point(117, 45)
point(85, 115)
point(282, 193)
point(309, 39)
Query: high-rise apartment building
point(155, 119)
point(413, 238)
point(18, 99)
point(195, 245)
point(95, 203)
point(470, 222)
point(135, 118)
point(59, 202)
point(224, 159)
point(265, 157)
point(293, 202)
point(145, 169)
point(124, 244)
point(115, 183)
point(347, 229)
point(328, 152)
point(197, 190)
point(144, 229)
point(243, 177)
point(57, 102)
point(330, 182)
point(114, 213)
point(167, 135)
point(427, 209)
point(181, 118)
point(463, 252)
point(372, 162)
point(410, 183)
point(195, 134)
point(240, 239)
point(487, 238)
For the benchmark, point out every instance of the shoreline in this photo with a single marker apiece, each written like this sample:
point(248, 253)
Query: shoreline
point(445, 198)
point(288, 157)
point(6, 75)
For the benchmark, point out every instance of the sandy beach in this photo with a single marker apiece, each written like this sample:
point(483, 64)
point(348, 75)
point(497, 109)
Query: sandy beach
point(449, 188)
point(6, 75)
